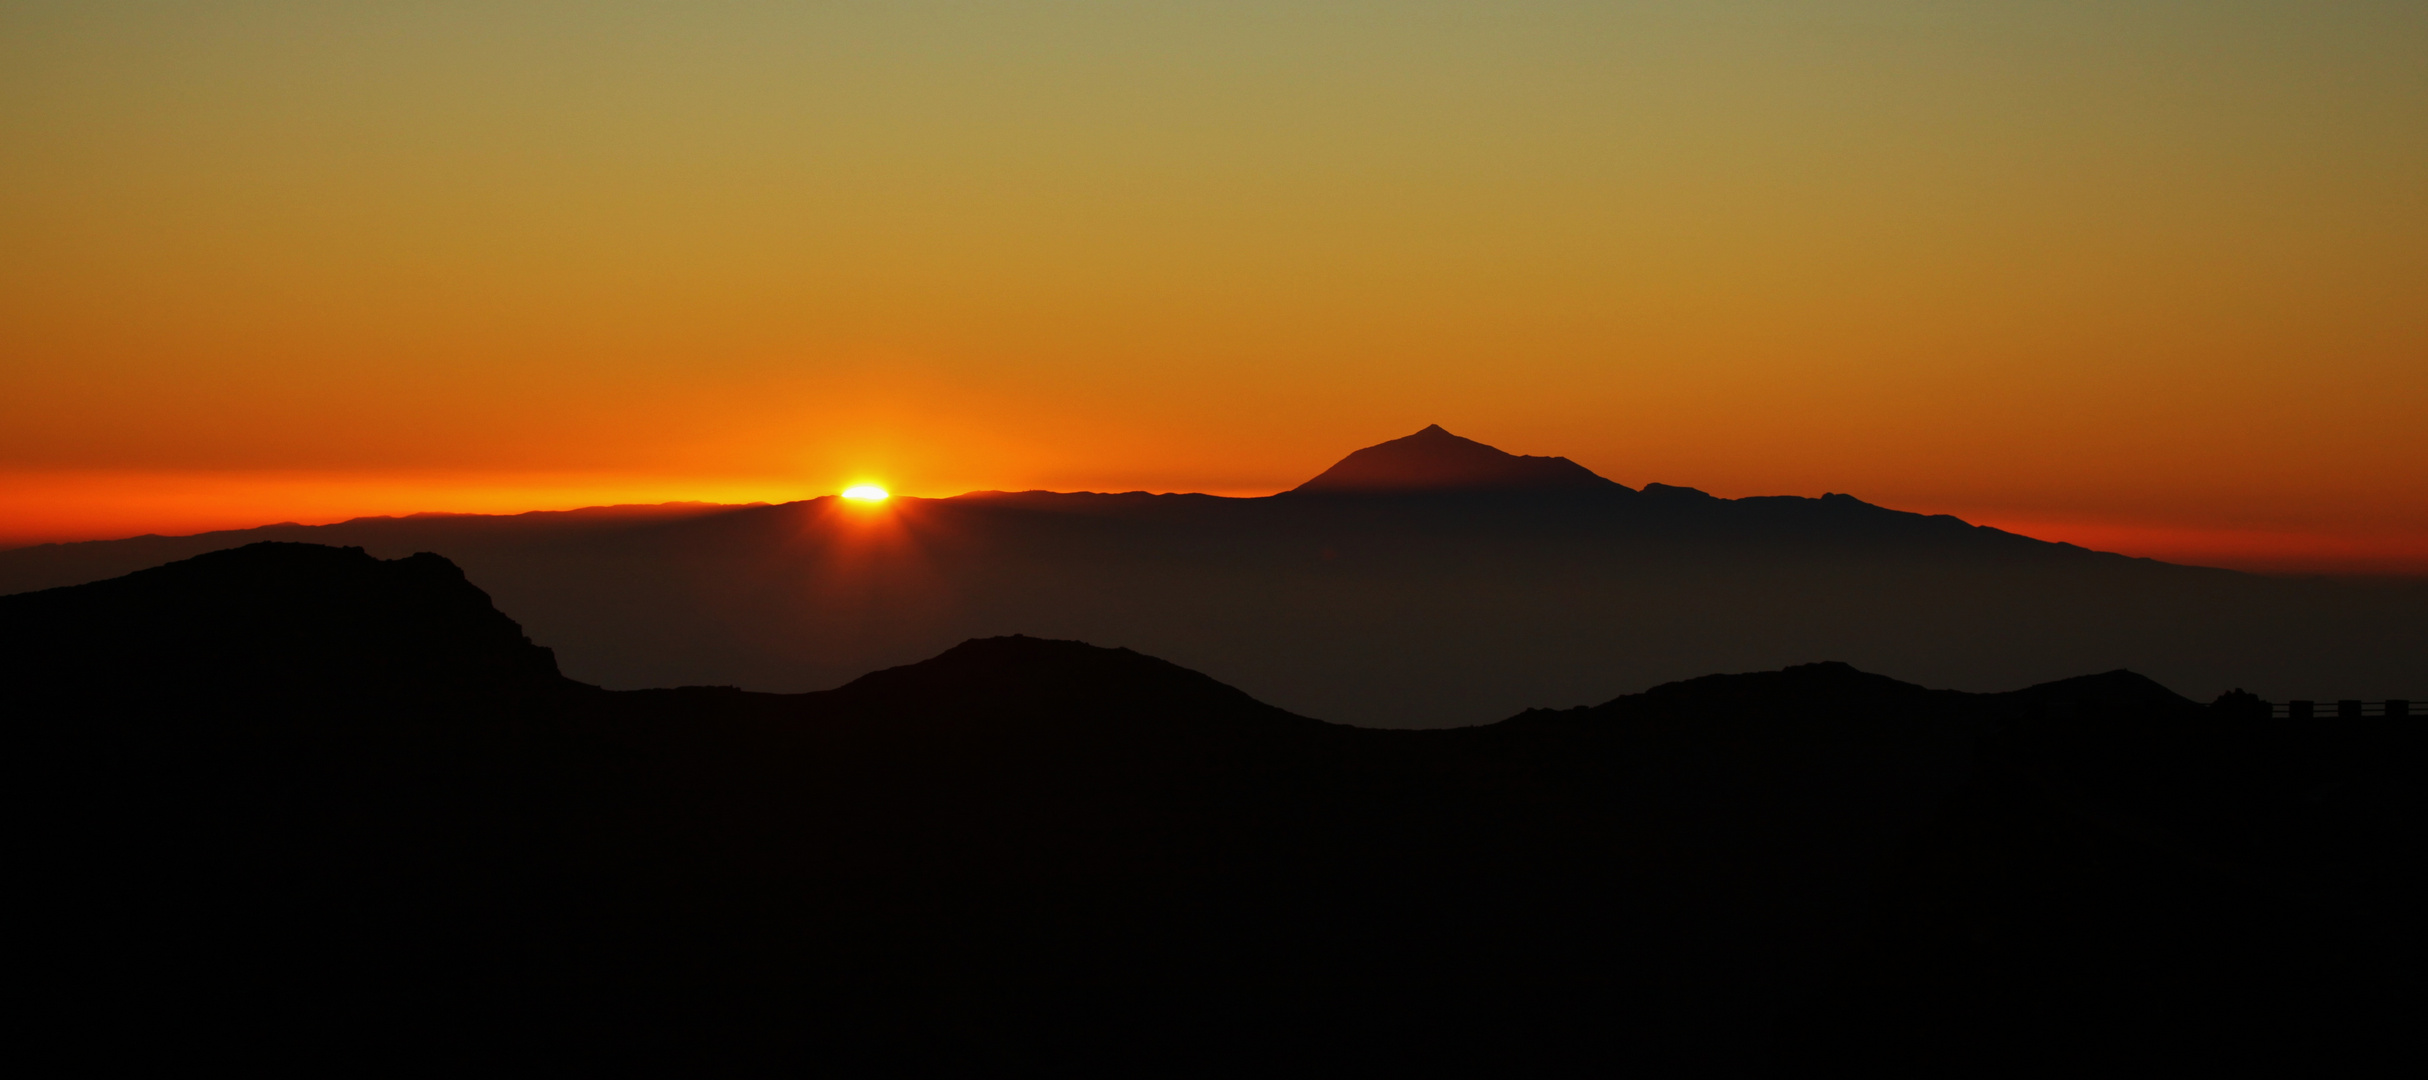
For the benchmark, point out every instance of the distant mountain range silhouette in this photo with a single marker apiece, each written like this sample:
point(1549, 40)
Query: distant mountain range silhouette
point(292, 804)
point(1436, 460)
point(1428, 581)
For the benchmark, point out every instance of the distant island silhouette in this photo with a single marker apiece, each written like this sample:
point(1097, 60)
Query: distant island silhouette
point(291, 803)
point(1427, 581)
point(1436, 460)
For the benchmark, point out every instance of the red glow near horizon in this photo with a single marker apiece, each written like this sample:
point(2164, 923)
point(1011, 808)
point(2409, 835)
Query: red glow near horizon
point(2265, 551)
point(101, 507)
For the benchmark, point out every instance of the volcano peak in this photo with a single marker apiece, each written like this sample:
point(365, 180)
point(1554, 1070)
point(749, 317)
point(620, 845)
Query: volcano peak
point(1436, 460)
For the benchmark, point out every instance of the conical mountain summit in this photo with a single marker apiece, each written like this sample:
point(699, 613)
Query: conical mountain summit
point(1436, 460)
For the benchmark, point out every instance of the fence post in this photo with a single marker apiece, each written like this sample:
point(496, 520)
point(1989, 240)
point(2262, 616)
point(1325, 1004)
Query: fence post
point(2299, 710)
point(2397, 707)
point(2347, 709)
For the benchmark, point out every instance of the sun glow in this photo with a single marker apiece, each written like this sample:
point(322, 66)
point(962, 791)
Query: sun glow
point(865, 493)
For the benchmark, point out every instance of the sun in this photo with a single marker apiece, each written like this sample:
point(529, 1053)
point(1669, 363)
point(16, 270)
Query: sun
point(865, 493)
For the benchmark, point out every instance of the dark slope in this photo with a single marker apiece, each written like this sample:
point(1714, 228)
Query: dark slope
point(1024, 854)
point(278, 618)
point(258, 783)
point(2129, 873)
point(1434, 460)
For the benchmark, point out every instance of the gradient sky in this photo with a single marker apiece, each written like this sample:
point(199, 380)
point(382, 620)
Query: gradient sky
point(2148, 276)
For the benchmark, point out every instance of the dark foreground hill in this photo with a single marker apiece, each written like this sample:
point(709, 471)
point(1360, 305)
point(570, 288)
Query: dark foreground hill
point(291, 804)
point(1429, 581)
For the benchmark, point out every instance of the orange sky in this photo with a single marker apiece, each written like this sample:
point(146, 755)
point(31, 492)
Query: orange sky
point(2151, 279)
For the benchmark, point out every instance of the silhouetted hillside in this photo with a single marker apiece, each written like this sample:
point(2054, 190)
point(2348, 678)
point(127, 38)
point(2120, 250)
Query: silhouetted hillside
point(1456, 604)
point(2131, 877)
point(365, 823)
point(277, 618)
point(1434, 460)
